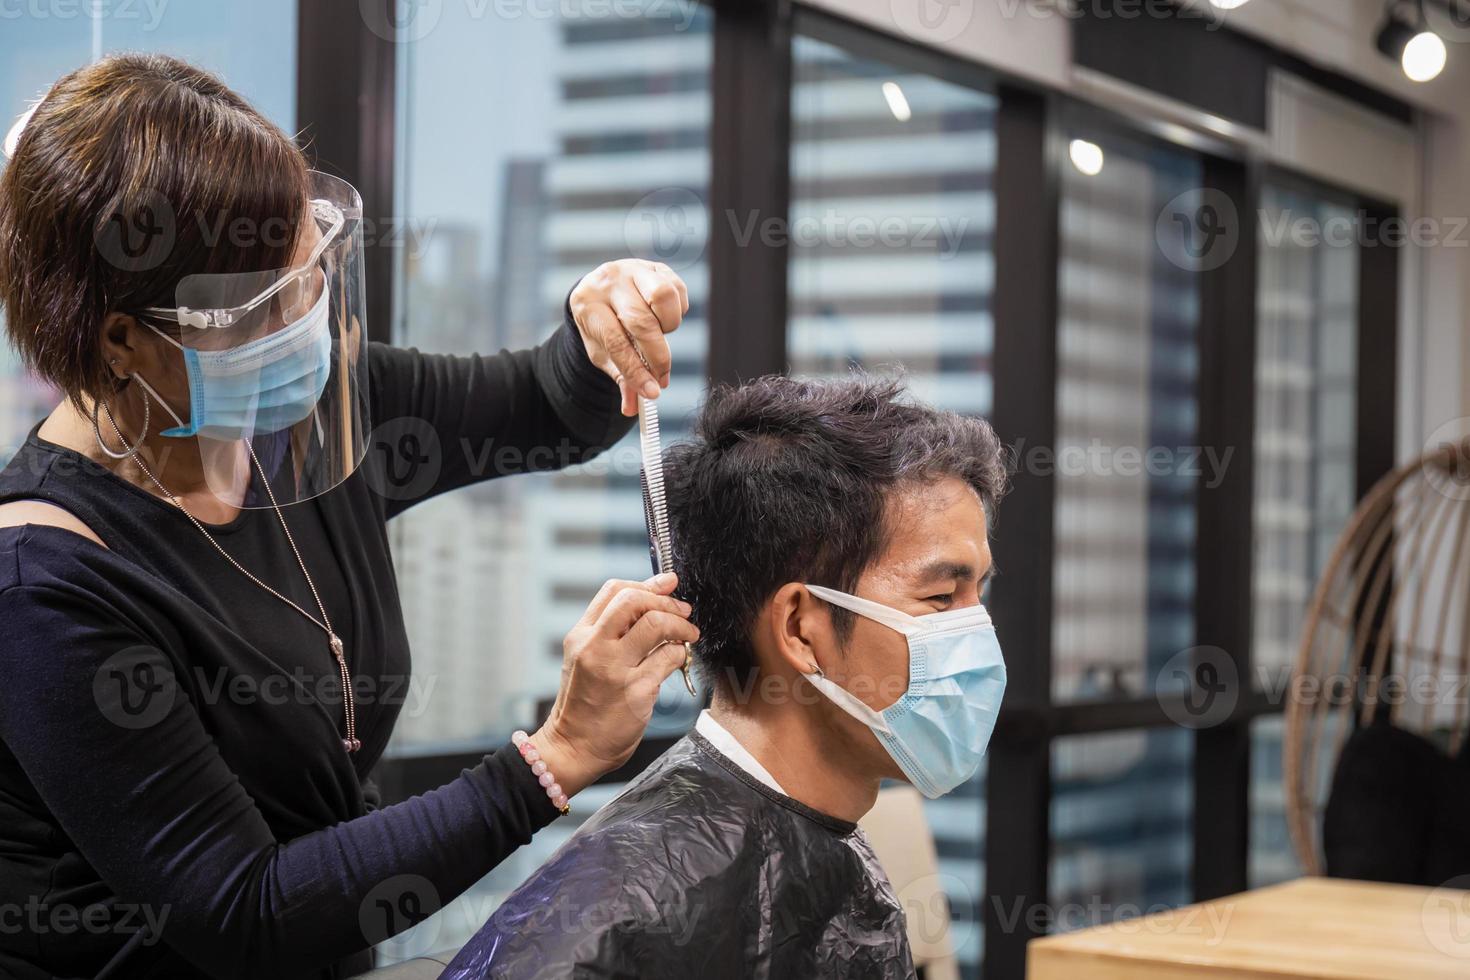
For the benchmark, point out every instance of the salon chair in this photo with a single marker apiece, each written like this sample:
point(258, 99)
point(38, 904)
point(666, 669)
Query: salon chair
point(904, 843)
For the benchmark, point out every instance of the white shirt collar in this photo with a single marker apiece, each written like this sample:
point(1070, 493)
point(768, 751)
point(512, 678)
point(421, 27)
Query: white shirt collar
point(722, 740)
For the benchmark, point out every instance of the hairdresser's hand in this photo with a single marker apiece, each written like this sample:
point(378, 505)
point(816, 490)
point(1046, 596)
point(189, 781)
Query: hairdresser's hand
point(625, 303)
point(612, 667)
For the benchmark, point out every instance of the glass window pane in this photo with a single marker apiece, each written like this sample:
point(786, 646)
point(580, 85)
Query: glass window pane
point(534, 148)
point(251, 44)
point(1122, 804)
point(507, 201)
point(1306, 385)
point(1272, 858)
point(1306, 407)
point(892, 222)
point(1127, 424)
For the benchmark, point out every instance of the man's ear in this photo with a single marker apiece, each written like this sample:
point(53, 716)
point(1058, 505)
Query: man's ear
point(799, 627)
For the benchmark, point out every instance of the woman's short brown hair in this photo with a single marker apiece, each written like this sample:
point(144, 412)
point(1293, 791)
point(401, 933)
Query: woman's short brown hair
point(134, 172)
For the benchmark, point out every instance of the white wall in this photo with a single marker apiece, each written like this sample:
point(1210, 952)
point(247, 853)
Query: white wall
point(1032, 39)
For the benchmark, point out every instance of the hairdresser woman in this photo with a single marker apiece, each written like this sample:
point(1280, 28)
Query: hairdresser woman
point(194, 565)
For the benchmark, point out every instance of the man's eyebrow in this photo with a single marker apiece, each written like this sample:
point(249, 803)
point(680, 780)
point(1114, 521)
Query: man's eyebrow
point(941, 570)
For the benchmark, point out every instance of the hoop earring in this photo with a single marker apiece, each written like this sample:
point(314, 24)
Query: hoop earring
point(97, 430)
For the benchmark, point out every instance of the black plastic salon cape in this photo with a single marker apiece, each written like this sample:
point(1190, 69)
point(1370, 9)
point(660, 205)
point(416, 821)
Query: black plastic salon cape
point(698, 870)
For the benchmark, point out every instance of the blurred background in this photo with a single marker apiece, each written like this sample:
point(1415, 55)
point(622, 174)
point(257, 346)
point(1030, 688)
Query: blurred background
point(1203, 264)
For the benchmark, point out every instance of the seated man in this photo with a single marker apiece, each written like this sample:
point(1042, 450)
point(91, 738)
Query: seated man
point(737, 853)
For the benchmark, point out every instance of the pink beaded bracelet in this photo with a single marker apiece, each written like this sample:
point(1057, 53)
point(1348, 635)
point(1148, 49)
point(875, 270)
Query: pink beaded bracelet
point(548, 782)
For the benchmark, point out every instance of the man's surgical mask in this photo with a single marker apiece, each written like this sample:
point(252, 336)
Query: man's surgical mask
point(937, 732)
point(259, 387)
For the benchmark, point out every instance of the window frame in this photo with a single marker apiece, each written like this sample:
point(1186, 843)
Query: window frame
point(346, 95)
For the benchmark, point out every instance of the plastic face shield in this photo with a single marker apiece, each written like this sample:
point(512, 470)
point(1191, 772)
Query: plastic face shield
point(276, 361)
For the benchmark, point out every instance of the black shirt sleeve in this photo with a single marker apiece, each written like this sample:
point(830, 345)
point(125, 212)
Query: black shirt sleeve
point(105, 730)
point(444, 421)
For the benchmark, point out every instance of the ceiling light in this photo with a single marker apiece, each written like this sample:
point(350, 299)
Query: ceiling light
point(1405, 37)
point(1424, 57)
point(1086, 157)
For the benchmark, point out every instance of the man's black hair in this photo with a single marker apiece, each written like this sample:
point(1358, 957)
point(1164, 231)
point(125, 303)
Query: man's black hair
point(789, 480)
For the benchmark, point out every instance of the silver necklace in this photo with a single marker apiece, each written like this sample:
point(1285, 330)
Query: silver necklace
point(349, 701)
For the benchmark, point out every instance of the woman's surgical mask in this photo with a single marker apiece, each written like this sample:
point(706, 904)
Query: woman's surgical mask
point(263, 386)
point(937, 732)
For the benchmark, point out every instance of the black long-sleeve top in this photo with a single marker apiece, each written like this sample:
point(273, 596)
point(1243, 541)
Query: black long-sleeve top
point(175, 800)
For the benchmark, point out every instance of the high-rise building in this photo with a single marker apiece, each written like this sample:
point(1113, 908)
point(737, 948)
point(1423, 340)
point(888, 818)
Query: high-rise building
point(1127, 367)
point(602, 154)
point(1305, 477)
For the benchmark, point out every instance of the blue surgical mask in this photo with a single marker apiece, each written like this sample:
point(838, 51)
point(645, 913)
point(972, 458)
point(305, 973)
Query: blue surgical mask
point(937, 732)
point(259, 387)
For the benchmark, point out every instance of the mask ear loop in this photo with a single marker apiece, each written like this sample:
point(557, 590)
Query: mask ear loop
point(149, 388)
point(899, 622)
point(847, 701)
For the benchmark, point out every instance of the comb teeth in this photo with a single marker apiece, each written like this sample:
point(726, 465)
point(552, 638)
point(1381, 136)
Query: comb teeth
point(655, 508)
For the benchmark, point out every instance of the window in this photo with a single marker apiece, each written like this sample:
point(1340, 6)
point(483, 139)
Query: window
point(1127, 424)
point(251, 44)
point(1127, 364)
point(1306, 442)
point(1120, 824)
point(891, 228)
point(533, 148)
point(892, 221)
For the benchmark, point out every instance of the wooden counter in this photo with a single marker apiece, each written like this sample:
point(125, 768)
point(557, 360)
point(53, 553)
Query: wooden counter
point(1312, 927)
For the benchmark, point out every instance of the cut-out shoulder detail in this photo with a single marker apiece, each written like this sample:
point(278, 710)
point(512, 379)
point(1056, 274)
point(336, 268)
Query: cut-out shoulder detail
point(18, 513)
